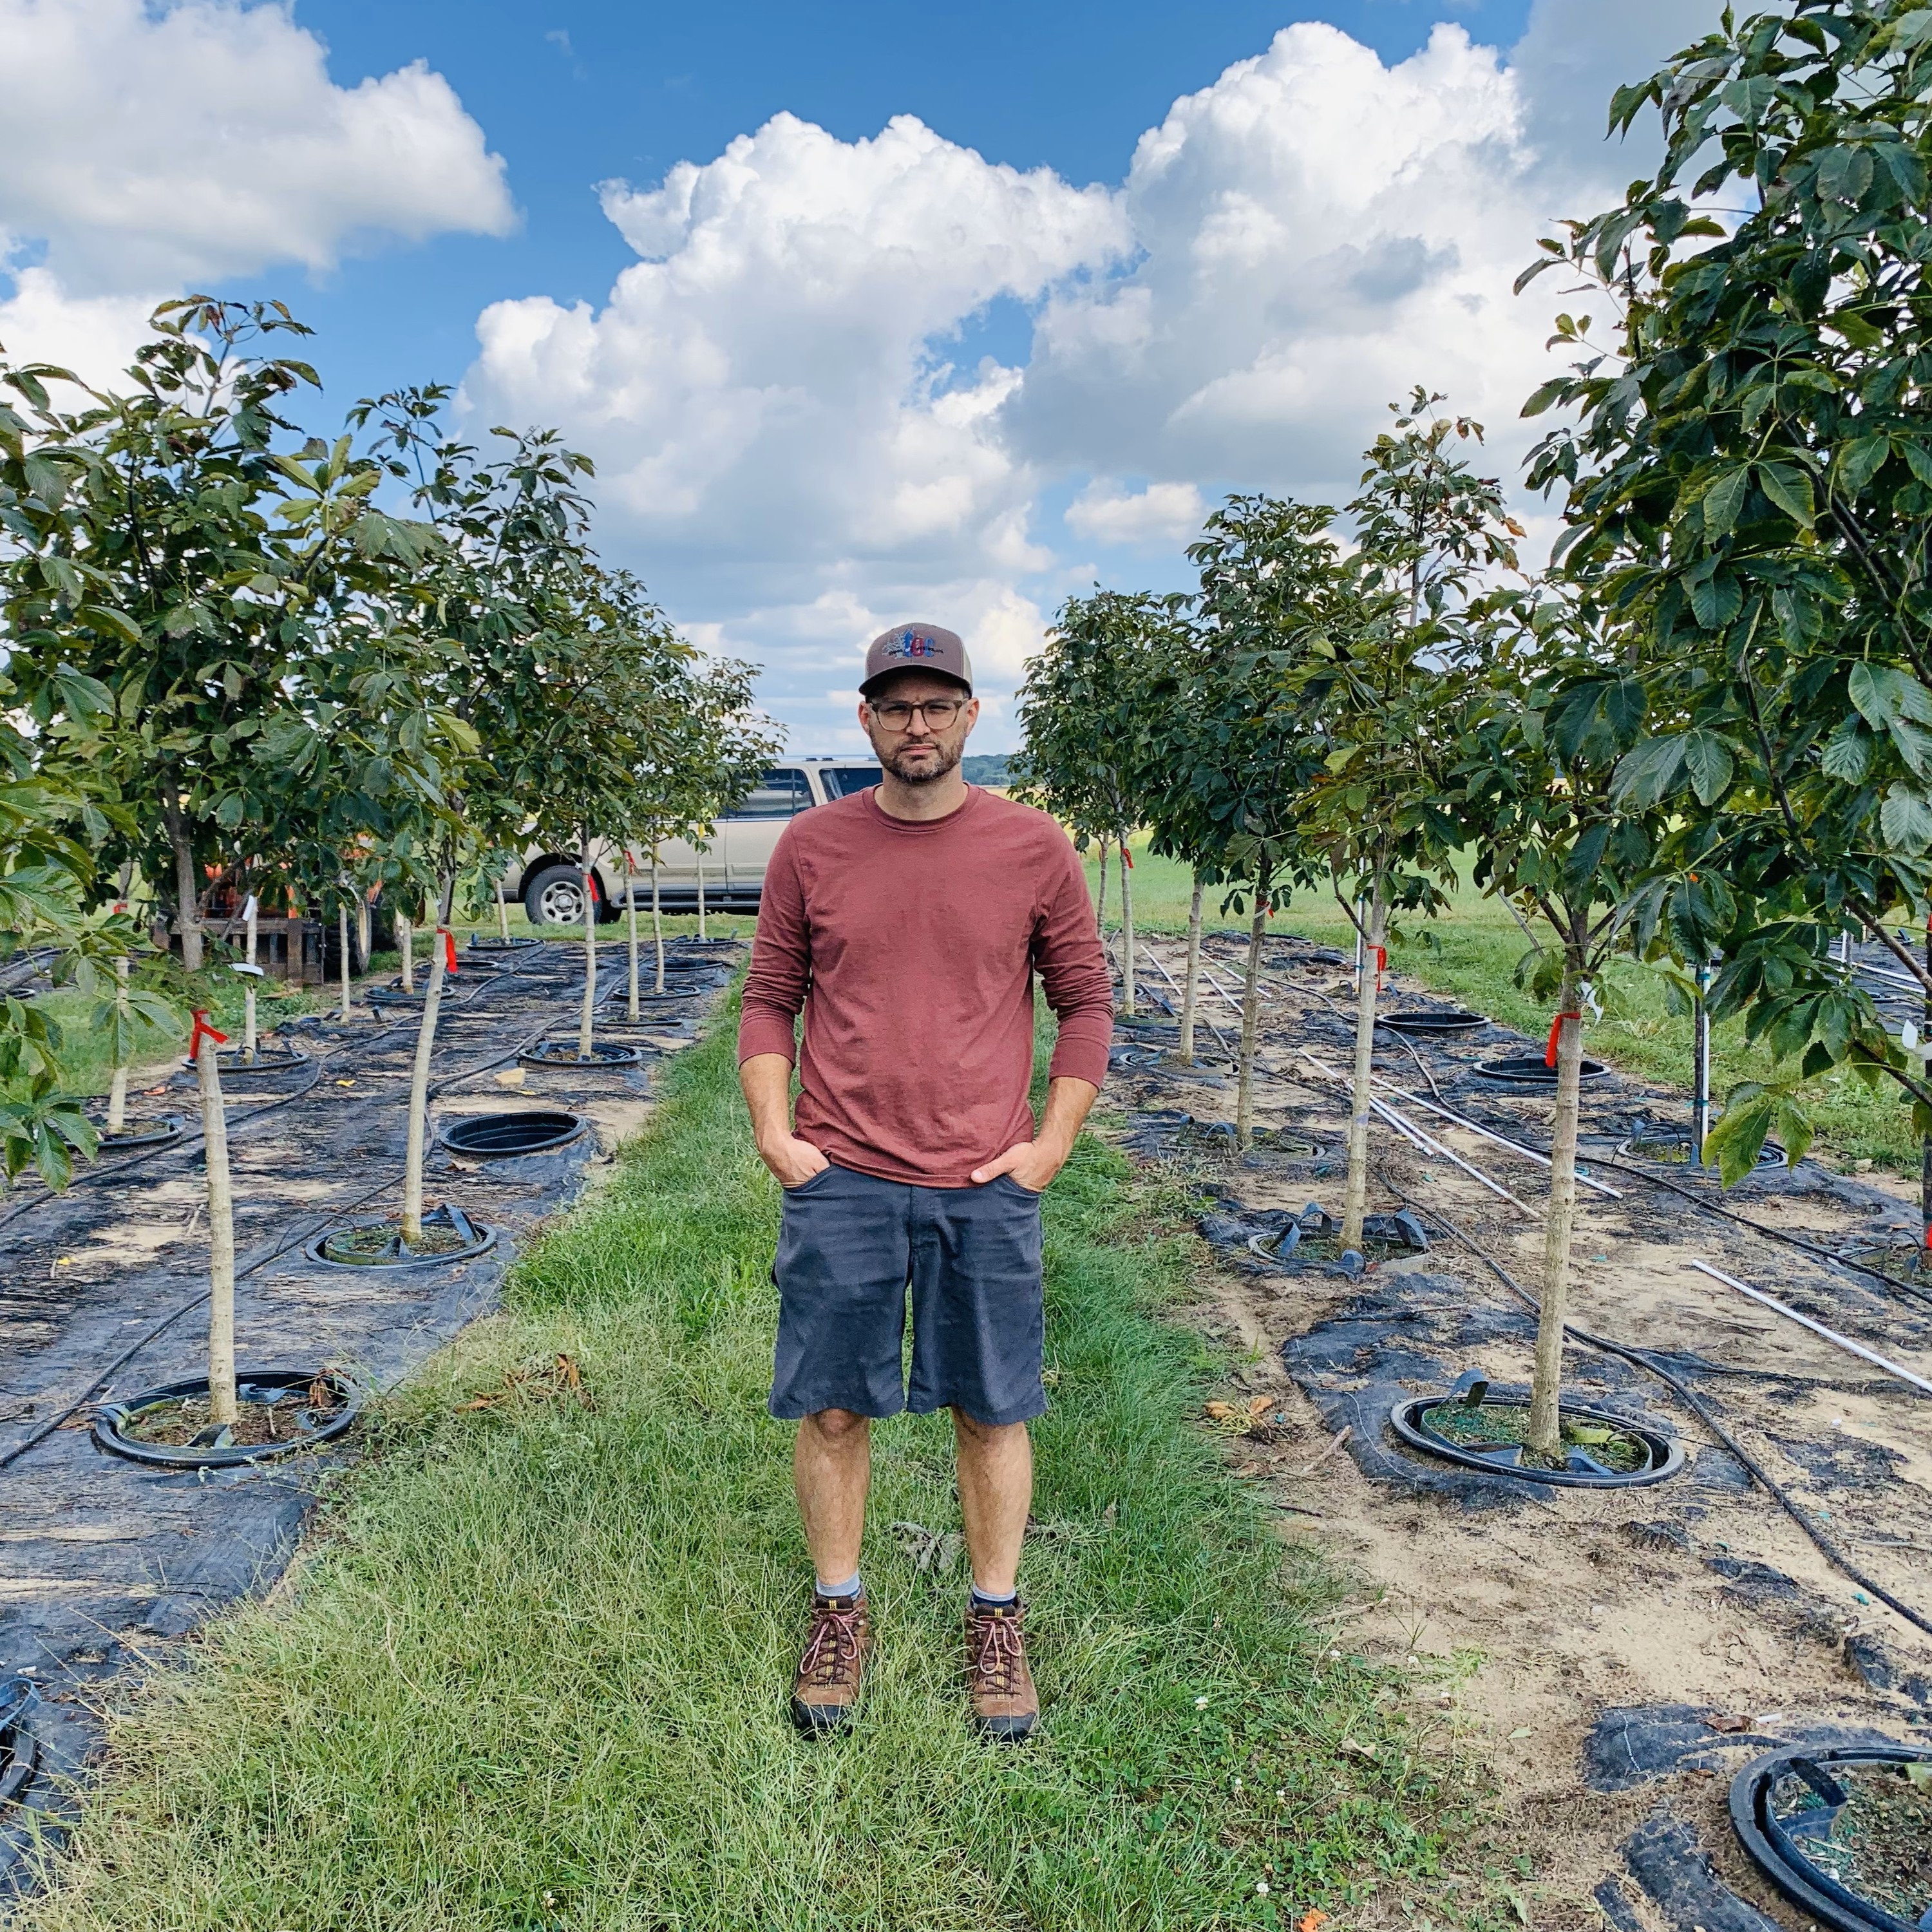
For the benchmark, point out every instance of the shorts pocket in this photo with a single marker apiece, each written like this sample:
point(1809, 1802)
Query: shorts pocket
point(806, 1186)
point(1018, 1187)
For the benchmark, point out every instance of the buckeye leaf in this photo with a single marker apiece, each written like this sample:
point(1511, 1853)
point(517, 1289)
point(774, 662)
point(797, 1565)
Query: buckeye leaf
point(1906, 819)
point(1649, 771)
point(1724, 501)
point(1847, 752)
point(1708, 764)
point(1789, 488)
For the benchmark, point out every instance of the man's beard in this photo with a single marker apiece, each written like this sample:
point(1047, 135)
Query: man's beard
point(922, 774)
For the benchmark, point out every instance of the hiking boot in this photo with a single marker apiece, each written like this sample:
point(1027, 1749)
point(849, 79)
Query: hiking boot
point(1005, 1704)
point(826, 1690)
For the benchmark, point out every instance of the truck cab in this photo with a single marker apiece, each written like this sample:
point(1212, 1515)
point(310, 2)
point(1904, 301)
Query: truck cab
point(733, 865)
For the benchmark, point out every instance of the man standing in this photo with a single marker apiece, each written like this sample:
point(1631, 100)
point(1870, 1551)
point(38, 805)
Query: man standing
point(907, 923)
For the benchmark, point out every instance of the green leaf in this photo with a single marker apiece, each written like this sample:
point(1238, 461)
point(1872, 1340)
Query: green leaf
point(1724, 501)
point(1847, 752)
point(1789, 488)
point(1906, 819)
point(1708, 763)
point(1881, 693)
point(1647, 772)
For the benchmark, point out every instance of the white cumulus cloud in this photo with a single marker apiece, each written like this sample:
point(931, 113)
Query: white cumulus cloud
point(1162, 513)
point(797, 446)
point(146, 149)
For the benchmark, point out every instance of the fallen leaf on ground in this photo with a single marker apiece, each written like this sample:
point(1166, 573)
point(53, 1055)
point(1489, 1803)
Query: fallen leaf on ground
point(1727, 1723)
point(1311, 1921)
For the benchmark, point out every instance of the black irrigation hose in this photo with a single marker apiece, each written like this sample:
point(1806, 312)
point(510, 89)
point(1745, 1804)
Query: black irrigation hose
point(188, 1307)
point(191, 1140)
point(1638, 1359)
point(1810, 1248)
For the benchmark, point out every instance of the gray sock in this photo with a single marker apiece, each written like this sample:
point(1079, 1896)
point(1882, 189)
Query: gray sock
point(851, 1587)
point(985, 1599)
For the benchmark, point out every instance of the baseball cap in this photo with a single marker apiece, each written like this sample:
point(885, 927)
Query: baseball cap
point(917, 647)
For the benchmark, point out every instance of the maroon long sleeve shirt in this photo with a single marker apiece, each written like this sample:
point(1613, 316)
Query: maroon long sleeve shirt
point(911, 947)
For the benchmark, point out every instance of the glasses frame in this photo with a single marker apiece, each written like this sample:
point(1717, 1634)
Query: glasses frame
point(918, 711)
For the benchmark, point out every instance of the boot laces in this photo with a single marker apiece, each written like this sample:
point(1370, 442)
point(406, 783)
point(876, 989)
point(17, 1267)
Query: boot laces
point(998, 1654)
point(831, 1651)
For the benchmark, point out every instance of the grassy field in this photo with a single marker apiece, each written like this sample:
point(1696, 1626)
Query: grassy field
point(1473, 951)
point(532, 1674)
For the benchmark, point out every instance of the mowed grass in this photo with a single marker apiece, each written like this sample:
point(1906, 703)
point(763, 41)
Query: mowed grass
point(1473, 951)
point(534, 1673)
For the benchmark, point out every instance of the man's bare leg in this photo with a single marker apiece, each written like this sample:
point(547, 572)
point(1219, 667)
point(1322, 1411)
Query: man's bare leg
point(995, 1495)
point(832, 1472)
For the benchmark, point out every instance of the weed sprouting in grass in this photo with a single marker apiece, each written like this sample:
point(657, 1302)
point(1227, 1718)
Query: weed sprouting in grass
point(535, 1675)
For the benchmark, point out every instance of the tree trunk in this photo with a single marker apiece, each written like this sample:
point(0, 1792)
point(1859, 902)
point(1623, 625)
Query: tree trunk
point(1545, 1388)
point(1127, 931)
point(405, 944)
point(220, 1237)
point(1251, 1007)
point(1100, 904)
point(1925, 1148)
point(1355, 1197)
point(502, 914)
point(342, 932)
point(1188, 985)
point(584, 1025)
point(365, 925)
point(248, 987)
point(657, 919)
point(418, 1139)
point(188, 913)
point(117, 1091)
point(631, 911)
point(701, 932)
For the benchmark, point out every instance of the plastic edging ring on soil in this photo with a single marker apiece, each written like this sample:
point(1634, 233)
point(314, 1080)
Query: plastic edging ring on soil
point(474, 1239)
point(1428, 1025)
point(1780, 1853)
point(18, 1753)
point(561, 1055)
point(504, 1136)
point(1530, 1070)
point(478, 944)
point(112, 1421)
point(164, 1132)
point(1666, 1454)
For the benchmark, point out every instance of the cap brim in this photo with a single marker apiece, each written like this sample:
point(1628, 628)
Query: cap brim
point(879, 677)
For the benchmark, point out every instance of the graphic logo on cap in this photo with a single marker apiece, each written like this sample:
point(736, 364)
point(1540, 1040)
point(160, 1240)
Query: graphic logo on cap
point(911, 644)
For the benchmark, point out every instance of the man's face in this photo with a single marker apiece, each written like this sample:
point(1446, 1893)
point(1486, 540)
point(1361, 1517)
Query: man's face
point(915, 748)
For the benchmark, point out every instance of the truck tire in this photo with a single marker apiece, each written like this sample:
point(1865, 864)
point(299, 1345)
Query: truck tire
point(554, 897)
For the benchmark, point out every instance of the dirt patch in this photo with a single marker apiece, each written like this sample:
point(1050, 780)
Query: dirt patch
point(1698, 1603)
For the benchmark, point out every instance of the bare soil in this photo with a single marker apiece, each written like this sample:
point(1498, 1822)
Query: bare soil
point(1562, 1612)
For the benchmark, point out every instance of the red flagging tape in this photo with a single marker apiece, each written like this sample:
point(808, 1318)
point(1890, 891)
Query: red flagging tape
point(449, 950)
point(203, 1031)
point(1556, 1033)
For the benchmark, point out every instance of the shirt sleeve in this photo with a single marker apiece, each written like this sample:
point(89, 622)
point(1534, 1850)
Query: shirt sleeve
point(781, 961)
point(1073, 969)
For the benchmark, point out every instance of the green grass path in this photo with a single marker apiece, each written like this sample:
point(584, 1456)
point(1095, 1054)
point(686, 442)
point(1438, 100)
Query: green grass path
point(533, 1674)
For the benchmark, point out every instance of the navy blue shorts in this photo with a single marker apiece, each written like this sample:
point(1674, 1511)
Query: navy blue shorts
point(850, 1245)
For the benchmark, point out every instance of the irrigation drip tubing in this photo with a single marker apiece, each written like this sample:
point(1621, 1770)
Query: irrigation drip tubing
point(192, 1139)
point(1639, 1359)
point(188, 1307)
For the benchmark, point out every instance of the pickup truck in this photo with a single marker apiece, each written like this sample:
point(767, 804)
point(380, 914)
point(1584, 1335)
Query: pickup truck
point(551, 884)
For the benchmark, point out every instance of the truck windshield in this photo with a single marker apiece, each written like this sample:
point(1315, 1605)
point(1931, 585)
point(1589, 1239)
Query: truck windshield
point(842, 781)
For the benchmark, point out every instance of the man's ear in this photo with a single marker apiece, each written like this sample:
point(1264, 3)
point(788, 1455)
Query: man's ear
point(972, 715)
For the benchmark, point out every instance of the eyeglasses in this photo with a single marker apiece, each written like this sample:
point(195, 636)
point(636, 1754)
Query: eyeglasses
point(937, 711)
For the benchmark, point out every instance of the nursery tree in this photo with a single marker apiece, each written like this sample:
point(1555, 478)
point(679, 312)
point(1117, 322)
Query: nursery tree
point(1535, 785)
point(1266, 563)
point(1380, 661)
point(1749, 481)
point(1088, 725)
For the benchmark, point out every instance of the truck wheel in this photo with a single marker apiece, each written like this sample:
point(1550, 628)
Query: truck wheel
point(555, 897)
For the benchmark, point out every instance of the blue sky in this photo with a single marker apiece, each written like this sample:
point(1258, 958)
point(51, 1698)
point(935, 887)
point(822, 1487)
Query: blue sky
point(865, 312)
